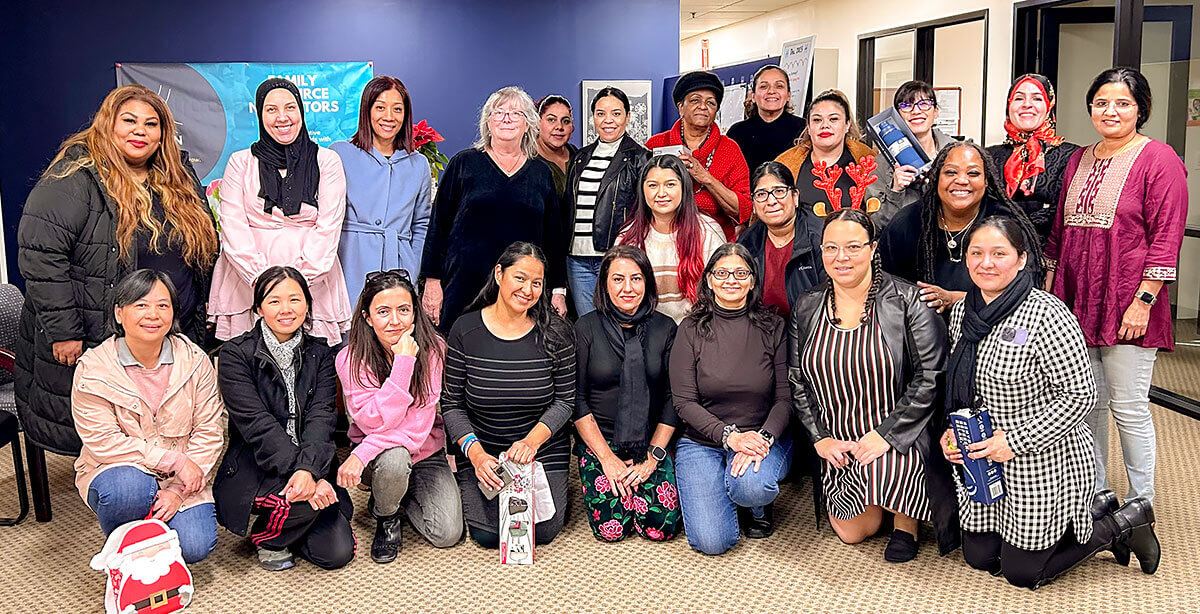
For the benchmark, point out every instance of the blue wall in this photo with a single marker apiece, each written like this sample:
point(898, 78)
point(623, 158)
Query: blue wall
point(58, 57)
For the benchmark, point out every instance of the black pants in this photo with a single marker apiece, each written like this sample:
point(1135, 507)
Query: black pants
point(1034, 568)
point(321, 537)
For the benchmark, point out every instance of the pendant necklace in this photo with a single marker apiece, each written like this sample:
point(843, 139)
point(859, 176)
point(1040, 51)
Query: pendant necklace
point(953, 238)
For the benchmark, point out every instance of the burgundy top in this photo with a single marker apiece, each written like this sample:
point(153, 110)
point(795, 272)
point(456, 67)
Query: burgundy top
point(1121, 220)
point(775, 277)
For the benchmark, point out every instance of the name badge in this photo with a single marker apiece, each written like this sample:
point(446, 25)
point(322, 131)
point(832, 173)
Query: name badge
point(1015, 336)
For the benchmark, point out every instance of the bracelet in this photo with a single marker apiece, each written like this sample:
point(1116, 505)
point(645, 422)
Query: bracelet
point(467, 442)
point(729, 430)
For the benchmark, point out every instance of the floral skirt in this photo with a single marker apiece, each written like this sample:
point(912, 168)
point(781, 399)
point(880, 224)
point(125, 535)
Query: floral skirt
point(652, 511)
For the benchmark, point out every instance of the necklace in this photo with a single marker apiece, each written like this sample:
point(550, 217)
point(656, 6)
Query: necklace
point(1120, 150)
point(953, 238)
point(510, 169)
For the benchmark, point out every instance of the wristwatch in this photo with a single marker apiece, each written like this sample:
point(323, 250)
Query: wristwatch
point(768, 437)
point(1147, 297)
point(658, 453)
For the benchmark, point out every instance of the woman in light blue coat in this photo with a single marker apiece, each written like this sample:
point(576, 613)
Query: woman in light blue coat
point(387, 187)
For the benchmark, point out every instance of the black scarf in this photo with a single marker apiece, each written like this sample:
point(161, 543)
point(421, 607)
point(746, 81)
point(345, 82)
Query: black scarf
point(299, 158)
point(978, 320)
point(632, 427)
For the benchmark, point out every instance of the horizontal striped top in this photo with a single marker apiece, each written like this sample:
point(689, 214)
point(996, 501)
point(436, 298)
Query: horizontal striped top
point(664, 256)
point(500, 389)
point(585, 199)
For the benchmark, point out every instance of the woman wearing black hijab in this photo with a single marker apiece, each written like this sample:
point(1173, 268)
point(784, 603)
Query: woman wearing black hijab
point(623, 407)
point(282, 203)
point(1032, 157)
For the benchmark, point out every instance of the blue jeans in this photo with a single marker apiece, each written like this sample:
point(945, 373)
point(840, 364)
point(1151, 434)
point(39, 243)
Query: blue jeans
point(710, 496)
point(123, 494)
point(582, 272)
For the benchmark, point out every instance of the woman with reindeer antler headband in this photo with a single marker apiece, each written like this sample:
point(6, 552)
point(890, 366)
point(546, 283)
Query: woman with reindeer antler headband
point(834, 168)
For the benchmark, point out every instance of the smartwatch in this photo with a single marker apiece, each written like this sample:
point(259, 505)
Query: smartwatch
point(1147, 297)
point(658, 453)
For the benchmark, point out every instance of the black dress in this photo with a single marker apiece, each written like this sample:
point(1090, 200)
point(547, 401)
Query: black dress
point(900, 250)
point(478, 212)
point(1042, 204)
point(167, 257)
point(762, 141)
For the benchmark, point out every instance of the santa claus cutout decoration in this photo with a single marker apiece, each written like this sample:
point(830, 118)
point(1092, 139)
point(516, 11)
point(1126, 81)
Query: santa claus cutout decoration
point(145, 570)
point(863, 175)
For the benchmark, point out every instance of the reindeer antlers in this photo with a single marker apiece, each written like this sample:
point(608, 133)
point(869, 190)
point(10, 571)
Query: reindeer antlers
point(862, 175)
point(826, 179)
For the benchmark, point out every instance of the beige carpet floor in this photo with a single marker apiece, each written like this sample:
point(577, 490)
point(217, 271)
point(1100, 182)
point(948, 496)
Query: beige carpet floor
point(800, 569)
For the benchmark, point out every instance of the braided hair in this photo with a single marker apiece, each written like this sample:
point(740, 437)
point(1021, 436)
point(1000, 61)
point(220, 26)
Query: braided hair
point(864, 220)
point(931, 205)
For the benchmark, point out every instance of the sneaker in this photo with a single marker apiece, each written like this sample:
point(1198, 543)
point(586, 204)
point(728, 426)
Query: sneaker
point(275, 560)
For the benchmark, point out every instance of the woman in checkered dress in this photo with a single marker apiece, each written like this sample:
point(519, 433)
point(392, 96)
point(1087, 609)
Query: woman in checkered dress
point(1019, 352)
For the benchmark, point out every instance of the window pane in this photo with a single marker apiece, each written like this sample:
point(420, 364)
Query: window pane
point(893, 66)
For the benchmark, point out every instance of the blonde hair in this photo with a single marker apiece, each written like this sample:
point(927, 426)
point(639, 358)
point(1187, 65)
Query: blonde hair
point(191, 223)
point(836, 97)
point(528, 111)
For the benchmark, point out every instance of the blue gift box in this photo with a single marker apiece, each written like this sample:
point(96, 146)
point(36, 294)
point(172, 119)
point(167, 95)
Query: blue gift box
point(982, 478)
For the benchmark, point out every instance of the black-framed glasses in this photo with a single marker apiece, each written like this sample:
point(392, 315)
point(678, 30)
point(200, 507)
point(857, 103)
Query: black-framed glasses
point(377, 275)
point(921, 105)
point(780, 192)
point(738, 274)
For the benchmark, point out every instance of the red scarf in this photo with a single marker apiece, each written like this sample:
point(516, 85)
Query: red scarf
point(1028, 159)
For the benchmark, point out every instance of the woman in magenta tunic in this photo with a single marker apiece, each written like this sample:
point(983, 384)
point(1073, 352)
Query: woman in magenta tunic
point(282, 203)
point(1114, 247)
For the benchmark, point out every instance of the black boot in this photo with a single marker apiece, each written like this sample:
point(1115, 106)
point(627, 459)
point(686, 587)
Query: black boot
point(759, 528)
point(1135, 524)
point(388, 534)
point(1104, 503)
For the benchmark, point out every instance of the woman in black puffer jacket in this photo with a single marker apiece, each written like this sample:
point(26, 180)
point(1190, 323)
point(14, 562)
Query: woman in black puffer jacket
point(119, 196)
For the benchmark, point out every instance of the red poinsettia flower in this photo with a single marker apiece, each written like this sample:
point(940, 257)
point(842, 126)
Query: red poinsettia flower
point(423, 134)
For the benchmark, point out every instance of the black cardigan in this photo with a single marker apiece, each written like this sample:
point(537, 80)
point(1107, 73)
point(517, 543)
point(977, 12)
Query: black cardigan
point(917, 341)
point(67, 251)
point(261, 457)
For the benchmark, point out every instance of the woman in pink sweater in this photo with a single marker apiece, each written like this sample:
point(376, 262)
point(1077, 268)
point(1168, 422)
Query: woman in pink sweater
point(391, 374)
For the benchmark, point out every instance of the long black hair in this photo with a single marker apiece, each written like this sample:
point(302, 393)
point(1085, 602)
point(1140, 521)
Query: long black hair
point(931, 204)
point(368, 355)
point(848, 214)
point(600, 297)
point(554, 331)
point(761, 316)
point(274, 276)
point(136, 285)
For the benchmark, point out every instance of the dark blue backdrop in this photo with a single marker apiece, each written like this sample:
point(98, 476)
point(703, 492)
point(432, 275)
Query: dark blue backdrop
point(58, 57)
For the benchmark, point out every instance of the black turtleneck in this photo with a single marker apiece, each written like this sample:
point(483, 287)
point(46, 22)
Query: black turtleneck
point(736, 374)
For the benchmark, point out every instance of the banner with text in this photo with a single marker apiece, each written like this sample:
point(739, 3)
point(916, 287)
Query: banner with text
point(213, 103)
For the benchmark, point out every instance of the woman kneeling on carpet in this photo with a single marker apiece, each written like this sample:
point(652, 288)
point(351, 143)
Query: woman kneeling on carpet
point(866, 357)
point(280, 384)
point(729, 378)
point(1019, 353)
point(510, 388)
point(391, 374)
point(623, 408)
point(147, 409)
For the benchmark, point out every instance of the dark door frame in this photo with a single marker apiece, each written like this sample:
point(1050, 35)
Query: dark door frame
point(922, 57)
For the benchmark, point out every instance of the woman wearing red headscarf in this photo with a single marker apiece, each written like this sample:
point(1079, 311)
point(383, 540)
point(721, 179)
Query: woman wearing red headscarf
point(1033, 157)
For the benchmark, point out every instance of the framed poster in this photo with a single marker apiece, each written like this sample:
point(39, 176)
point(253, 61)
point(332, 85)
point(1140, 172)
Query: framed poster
point(949, 101)
point(639, 128)
point(733, 109)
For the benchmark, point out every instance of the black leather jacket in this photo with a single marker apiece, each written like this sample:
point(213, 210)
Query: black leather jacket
point(917, 341)
point(618, 191)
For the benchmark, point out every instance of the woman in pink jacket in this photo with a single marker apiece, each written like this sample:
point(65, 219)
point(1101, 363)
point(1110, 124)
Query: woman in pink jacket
point(282, 203)
point(147, 408)
point(391, 374)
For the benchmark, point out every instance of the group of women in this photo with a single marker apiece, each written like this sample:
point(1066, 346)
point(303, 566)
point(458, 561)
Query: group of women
point(857, 306)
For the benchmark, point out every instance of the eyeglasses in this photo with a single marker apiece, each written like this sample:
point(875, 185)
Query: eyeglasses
point(377, 275)
point(501, 115)
point(780, 192)
point(922, 105)
point(1121, 105)
point(832, 250)
point(723, 274)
